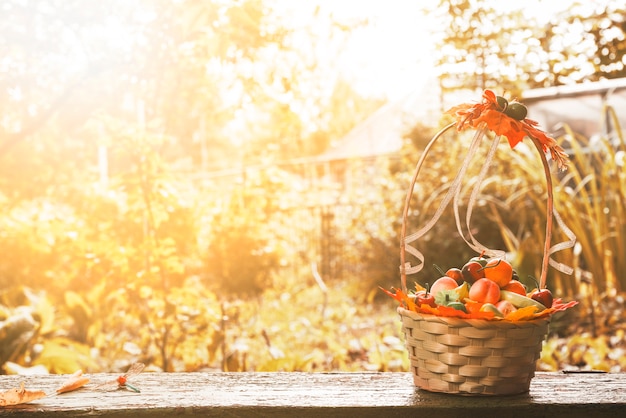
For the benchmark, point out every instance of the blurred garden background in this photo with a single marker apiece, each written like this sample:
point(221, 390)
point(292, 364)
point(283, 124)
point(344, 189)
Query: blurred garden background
point(218, 184)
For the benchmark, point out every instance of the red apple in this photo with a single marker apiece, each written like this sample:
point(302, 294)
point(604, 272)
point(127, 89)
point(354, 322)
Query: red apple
point(480, 259)
point(543, 296)
point(424, 297)
point(456, 274)
point(472, 271)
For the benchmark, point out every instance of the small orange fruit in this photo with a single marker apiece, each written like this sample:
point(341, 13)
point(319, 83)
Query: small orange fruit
point(499, 270)
point(515, 287)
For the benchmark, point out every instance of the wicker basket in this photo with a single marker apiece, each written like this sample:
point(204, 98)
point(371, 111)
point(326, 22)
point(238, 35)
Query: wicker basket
point(472, 356)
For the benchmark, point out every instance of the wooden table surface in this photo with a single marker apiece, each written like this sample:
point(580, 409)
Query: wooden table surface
point(317, 394)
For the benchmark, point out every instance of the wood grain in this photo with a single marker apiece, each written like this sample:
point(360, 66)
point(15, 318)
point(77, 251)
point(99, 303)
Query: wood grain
point(317, 395)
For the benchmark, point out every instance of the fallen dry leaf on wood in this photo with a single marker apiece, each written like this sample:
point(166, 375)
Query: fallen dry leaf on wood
point(75, 381)
point(20, 395)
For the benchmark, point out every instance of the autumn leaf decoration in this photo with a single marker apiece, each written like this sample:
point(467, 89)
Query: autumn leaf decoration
point(73, 382)
point(509, 120)
point(17, 396)
point(20, 395)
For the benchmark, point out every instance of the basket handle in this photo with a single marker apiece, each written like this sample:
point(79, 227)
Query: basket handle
point(551, 214)
point(407, 202)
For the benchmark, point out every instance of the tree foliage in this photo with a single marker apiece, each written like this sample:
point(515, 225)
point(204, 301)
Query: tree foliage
point(478, 46)
point(603, 29)
point(484, 45)
point(140, 184)
point(159, 196)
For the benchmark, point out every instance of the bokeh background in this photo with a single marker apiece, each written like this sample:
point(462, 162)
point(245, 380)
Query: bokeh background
point(218, 184)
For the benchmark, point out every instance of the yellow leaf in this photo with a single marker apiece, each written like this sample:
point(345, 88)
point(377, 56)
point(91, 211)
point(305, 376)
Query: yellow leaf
point(62, 356)
point(522, 314)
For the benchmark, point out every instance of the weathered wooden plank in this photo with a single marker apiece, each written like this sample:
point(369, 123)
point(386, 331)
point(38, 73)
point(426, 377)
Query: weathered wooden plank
point(317, 394)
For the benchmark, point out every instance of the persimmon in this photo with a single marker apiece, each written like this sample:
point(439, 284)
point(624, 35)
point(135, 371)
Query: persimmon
point(499, 270)
point(515, 287)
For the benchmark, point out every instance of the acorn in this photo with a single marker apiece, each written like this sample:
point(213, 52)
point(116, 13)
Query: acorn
point(502, 103)
point(516, 110)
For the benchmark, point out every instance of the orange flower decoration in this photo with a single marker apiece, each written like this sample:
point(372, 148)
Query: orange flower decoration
point(491, 112)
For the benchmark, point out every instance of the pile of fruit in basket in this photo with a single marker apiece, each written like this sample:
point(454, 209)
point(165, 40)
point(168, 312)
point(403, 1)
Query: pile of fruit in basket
point(483, 288)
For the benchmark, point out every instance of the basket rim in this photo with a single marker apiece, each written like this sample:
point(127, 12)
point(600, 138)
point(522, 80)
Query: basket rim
point(479, 323)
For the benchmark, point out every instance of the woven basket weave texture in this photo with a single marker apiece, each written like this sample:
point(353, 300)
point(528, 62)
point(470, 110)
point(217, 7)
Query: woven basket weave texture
point(472, 356)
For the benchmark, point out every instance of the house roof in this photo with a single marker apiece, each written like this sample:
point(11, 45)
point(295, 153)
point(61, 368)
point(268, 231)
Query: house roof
point(382, 133)
point(581, 106)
